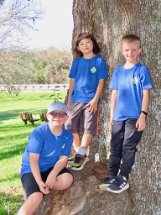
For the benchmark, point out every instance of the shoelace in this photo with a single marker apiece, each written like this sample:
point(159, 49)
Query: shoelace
point(118, 181)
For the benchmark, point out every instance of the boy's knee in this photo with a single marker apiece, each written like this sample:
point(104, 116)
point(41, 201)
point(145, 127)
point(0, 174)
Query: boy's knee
point(64, 181)
point(70, 180)
point(67, 181)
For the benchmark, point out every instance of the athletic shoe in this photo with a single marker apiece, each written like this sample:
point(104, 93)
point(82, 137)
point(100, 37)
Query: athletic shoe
point(79, 162)
point(71, 159)
point(119, 185)
point(107, 182)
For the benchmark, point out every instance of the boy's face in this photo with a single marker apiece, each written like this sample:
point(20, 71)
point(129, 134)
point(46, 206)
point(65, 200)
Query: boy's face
point(57, 118)
point(131, 51)
point(85, 46)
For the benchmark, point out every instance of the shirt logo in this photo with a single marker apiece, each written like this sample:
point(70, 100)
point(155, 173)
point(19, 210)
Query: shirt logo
point(93, 69)
point(63, 146)
point(135, 80)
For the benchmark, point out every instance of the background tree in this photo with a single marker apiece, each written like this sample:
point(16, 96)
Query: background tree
point(34, 67)
point(109, 21)
point(18, 66)
point(13, 69)
point(51, 66)
point(16, 18)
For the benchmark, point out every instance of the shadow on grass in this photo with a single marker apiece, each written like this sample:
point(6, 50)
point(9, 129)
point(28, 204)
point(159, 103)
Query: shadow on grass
point(19, 128)
point(11, 135)
point(14, 140)
point(13, 114)
point(18, 150)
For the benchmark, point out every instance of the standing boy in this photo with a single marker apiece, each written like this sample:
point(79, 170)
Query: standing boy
point(45, 159)
point(130, 86)
point(87, 75)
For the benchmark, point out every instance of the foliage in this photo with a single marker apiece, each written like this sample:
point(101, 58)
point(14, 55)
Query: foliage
point(13, 68)
point(51, 66)
point(13, 138)
point(22, 67)
point(16, 18)
point(29, 67)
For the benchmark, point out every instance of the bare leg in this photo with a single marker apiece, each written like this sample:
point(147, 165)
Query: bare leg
point(86, 140)
point(31, 204)
point(76, 140)
point(63, 181)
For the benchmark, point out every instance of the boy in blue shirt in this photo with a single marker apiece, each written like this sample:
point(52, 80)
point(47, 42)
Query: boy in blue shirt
point(130, 86)
point(45, 159)
point(87, 75)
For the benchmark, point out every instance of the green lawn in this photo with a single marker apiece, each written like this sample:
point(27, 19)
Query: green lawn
point(13, 139)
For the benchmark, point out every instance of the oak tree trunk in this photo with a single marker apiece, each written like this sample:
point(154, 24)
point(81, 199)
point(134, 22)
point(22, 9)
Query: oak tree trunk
point(109, 20)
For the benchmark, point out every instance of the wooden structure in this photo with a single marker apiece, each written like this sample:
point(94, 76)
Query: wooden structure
point(43, 117)
point(28, 117)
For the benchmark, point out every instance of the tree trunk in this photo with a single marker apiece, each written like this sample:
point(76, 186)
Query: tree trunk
point(109, 21)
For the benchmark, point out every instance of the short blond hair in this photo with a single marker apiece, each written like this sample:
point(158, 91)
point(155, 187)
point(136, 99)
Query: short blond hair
point(131, 38)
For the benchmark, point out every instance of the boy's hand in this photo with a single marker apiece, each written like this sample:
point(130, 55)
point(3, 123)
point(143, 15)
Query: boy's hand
point(43, 188)
point(51, 180)
point(141, 124)
point(92, 106)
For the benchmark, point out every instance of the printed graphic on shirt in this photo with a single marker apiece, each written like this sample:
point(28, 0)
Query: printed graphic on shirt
point(135, 80)
point(63, 146)
point(93, 70)
point(50, 153)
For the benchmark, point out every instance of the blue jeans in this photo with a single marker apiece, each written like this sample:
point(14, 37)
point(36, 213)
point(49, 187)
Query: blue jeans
point(124, 140)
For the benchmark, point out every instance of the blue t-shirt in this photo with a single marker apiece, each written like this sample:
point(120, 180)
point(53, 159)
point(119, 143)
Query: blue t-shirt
point(129, 83)
point(50, 147)
point(87, 73)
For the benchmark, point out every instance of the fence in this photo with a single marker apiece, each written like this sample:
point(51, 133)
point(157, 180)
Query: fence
point(36, 87)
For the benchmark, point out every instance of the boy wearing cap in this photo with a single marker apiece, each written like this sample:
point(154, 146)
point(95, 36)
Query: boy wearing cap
point(45, 159)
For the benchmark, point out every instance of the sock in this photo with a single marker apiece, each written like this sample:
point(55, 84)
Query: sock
point(81, 151)
point(76, 149)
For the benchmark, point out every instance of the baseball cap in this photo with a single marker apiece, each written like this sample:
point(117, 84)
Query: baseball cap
point(57, 106)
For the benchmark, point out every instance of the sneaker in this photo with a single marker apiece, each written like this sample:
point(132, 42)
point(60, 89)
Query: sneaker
point(79, 162)
point(119, 185)
point(107, 182)
point(71, 159)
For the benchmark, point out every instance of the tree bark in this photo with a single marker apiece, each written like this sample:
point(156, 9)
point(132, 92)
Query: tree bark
point(109, 21)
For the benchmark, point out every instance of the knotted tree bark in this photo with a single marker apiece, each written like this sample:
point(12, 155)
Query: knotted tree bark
point(109, 21)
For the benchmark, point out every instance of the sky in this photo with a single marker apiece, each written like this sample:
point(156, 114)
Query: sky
point(56, 26)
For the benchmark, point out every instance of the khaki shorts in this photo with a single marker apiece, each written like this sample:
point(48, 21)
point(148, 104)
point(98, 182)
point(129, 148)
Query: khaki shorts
point(78, 113)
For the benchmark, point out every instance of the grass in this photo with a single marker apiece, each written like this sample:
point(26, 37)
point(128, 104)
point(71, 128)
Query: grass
point(13, 139)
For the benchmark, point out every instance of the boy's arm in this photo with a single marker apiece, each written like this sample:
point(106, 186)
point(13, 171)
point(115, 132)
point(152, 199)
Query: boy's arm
point(71, 87)
point(141, 122)
point(94, 101)
point(112, 105)
point(61, 163)
point(34, 158)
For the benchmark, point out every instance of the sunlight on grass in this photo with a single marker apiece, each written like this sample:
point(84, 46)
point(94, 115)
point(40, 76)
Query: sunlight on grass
point(13, 139)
